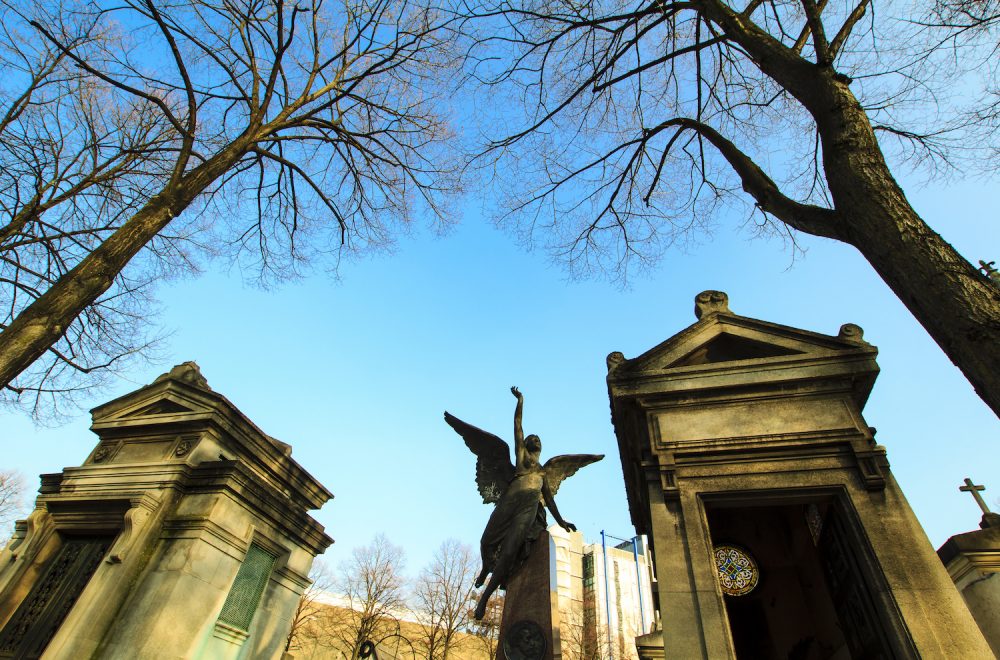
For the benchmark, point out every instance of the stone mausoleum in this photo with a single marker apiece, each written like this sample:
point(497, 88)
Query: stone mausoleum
point(185, 534)
point(776, 527)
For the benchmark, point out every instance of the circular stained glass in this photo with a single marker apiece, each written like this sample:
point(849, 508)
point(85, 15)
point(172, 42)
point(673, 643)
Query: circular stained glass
point(738, 572)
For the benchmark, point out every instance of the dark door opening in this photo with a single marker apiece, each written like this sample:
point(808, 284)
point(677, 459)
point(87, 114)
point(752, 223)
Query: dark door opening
point(50, 600)
point(811, 601)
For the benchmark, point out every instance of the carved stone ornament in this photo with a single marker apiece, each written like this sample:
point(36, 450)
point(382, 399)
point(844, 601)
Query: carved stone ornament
point(711, 301)
point(101, 454)
point(852, 333)
point(183, 448)
point(524, 641)
point(133, 523)
point(614, 359)
point(186, 372)
point(24, 536)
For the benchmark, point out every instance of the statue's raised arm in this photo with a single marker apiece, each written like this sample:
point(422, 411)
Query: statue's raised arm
point(519, 452)
point(521, 495)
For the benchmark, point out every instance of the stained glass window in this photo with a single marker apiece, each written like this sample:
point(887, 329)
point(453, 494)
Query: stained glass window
point(738, 572)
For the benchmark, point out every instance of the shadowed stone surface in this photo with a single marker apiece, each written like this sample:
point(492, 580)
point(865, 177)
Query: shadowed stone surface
point(737, 430)
point(181, 490)
point(531, 597)
point(973, 562)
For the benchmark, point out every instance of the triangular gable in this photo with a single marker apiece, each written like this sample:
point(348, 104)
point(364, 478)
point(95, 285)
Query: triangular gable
point(727, 347)
point(724, 338)
point(155, 401)
point(162, 407)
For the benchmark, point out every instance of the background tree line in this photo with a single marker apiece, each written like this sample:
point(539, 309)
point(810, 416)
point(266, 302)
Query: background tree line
point(429, 617)
point(368, 597)
point(139, 139)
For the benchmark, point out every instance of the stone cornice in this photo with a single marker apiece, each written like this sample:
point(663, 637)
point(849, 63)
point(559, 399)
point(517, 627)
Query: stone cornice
point(194, 409)
point(92, 487)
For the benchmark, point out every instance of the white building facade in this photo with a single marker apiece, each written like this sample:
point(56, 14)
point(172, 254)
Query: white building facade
point(605, 592)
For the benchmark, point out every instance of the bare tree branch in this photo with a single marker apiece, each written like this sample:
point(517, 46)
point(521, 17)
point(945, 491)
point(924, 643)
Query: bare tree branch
point(276, 133)
point(630, 115)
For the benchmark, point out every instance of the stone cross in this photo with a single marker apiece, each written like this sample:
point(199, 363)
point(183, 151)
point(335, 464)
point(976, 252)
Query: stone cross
point(974, 489)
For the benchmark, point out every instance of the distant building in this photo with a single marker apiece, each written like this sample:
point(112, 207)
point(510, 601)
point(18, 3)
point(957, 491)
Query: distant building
point(605, 596)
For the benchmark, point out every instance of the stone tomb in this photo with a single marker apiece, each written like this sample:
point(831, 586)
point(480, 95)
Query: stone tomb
point(185, 534)
point(973, 562)
point(777, 529)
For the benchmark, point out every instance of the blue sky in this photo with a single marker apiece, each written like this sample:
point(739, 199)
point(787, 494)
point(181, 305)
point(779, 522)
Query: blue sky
point(355, 374)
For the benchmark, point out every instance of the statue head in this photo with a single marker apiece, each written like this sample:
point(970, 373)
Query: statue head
point(533, 443)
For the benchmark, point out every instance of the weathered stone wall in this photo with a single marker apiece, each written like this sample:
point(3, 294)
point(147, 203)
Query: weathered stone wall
point(736, 412)
point(182, 484)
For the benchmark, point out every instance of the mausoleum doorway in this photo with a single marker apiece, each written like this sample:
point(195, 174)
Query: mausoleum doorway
point(797, 583)
point(36, 620)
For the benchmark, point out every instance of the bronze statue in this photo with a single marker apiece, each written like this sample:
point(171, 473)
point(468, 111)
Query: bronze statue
point(521, 494)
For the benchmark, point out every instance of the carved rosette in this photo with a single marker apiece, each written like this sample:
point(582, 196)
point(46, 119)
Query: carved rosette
point(104, 452)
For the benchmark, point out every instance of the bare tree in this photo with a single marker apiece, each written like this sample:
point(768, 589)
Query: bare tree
point(372, 584)
point(71, 162)
point(642, 117)
point(582, 637)
point(959, 17)
point(487, 629)
point(11, 501)
point(276, 131)
point(310, 607)
point(969, 28)
point(442, 598)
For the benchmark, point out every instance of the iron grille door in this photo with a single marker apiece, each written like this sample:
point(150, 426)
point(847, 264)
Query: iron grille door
point(244, 596)
point(40, 614)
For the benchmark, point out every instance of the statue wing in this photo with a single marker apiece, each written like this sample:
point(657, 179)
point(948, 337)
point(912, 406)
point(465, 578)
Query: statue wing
point(559, 468)
point(494, 470)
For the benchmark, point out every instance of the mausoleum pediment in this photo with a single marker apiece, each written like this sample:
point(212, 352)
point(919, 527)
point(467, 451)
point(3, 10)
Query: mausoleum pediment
point(729, 347)
point(180, 414)
point(183, 391)
point(164, 406)
point(723, 338)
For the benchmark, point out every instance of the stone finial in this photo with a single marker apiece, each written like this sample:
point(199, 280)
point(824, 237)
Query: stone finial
point(615, 358)
point(991, 273)
point(710, 301)
point(188, 373)
point(852, 333)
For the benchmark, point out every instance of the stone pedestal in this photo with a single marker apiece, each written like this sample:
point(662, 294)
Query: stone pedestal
point(973, 562)
point(776, 525)
point(650, 646)
point(531, 608)
point(185, 534)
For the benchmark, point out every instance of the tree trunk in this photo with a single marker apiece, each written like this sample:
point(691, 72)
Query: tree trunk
point(42, 323)
point(957, 305)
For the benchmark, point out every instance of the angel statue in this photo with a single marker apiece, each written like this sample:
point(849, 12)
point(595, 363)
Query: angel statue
point(521, 494)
